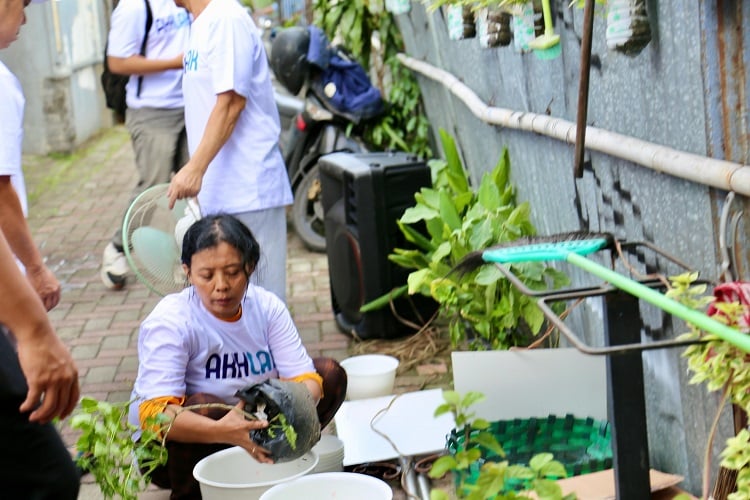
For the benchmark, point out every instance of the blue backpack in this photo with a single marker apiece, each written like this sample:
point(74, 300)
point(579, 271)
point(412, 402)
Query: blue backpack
point(342, 82)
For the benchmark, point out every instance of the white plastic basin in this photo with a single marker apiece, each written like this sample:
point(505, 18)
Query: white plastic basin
point(369, 375)
point(233, 474)
point(331, 485)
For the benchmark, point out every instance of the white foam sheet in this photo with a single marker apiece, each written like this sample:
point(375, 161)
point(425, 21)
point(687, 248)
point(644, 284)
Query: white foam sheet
point(533, 383)
point(409, 422)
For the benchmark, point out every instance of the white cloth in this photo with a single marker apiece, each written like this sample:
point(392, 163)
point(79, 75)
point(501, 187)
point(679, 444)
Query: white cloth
point(12, 103)
point(183, 349)
point(225, 52)
point(166, 39)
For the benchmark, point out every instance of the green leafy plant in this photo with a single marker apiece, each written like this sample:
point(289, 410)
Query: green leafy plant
point(721, 367)
point(451, 220)
point(369, 32)
point(122, 466)
point(498, 480)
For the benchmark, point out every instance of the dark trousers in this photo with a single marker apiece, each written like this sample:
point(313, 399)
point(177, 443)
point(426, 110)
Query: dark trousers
point(34, 463)
point(177, 474)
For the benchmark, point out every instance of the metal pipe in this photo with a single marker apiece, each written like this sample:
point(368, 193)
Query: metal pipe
point(583, 88)
point(712, 172)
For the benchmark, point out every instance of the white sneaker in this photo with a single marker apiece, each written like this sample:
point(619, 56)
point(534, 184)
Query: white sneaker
point(114, 268)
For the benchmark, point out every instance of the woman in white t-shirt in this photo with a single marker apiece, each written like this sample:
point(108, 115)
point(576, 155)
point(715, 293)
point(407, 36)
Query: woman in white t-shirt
point(216, 337)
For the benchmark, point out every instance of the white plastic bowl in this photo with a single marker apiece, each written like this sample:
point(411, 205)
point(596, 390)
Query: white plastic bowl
point(331, 485)
point(369, 375)
point(233, 474)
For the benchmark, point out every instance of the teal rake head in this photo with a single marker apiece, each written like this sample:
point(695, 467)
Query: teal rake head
point(553, 250)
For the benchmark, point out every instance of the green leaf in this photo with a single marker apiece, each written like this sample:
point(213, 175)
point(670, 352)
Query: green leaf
point(441, 466)
point(448, 212)
point(488, 275)
point(456, 173)
point(489, 194)
point(540, 460)
point(471, 398)
point(418, 213)
point(415, 237)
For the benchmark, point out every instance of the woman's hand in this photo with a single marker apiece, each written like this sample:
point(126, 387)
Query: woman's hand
point(237, 428)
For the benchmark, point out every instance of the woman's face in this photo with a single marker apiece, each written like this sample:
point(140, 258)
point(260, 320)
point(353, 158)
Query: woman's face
point(12, 17)
point(219, 279)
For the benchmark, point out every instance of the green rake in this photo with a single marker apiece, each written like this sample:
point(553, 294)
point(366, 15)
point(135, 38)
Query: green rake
point(574, 251)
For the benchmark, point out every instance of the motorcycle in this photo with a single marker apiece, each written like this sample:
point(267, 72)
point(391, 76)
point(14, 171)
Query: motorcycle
point(317, 125)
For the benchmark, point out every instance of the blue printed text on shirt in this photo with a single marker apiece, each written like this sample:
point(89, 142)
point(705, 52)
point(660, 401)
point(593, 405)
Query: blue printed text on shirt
point(238, 365)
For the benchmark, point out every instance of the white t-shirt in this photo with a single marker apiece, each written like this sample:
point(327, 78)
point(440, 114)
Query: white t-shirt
point(183, 349)
point(225, 52)
point(12, 103)
point(166, 39)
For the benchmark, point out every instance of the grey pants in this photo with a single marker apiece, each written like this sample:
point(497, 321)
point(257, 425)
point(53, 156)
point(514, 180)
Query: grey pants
point(269, 228)
point(160, 147)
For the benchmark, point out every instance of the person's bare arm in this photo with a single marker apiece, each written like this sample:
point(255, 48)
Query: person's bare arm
point(13, 224)
point(233, 429)
point(140, 65)
point(219, 127)
point(46, 363)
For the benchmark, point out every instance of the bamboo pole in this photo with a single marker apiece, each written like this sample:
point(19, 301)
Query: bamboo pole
point(712, 172)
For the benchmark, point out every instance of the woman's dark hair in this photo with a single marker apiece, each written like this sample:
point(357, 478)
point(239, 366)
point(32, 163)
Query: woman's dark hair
point(209, 231)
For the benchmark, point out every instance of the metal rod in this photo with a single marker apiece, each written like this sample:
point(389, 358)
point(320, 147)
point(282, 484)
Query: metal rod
point(583, 88)
point(626, 403)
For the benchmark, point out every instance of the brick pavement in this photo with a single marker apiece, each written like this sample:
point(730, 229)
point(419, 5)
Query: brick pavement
point(76, 201)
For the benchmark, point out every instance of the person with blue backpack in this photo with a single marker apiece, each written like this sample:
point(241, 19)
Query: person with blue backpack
point(146, 42)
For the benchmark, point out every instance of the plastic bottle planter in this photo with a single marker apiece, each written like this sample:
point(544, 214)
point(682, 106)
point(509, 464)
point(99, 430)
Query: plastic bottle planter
point(628, 28)
point(460, 22)
point(398, 6)
point(493, 28)
point(523, 25)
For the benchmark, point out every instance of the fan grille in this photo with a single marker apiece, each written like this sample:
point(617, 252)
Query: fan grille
point(150, 239)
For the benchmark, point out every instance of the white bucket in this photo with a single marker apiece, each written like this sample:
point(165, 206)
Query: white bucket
point(330, 451)
point(369, 375)
point(233, 474)
point(331, 485)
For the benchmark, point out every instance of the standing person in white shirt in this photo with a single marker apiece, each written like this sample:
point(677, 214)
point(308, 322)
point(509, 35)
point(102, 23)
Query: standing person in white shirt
point(233, 130)
point(155, 114)
point(38, 377)
point(13, 203)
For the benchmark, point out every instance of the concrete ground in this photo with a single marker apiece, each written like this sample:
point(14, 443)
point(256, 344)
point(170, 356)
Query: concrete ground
point(76, 201)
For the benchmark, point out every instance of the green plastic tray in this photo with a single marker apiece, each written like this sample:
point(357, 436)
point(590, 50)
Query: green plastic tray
point(582, 445)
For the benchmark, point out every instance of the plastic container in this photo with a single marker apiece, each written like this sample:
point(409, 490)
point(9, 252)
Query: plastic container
point(233, 474)
point(369, 375)
point(330, 451)
point(582, 445)
point(331, 485)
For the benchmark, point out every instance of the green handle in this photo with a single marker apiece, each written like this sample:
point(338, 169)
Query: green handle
point(706, 323)
point(549, 28)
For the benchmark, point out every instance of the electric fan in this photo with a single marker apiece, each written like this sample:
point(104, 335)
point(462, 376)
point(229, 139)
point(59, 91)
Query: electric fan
point(152, 238)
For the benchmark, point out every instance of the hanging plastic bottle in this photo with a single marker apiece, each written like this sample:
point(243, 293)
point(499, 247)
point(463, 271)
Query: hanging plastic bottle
point(455, 20)
point(628, 27)
point(493, 27)
point(523, 26)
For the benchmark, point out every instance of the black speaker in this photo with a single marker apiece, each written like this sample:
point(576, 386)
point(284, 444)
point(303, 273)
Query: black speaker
point(363, 197)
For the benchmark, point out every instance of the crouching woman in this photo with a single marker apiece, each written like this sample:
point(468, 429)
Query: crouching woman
point(219, 335)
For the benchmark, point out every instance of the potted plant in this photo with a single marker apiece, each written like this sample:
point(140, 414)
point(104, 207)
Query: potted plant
point(483, 310)
point(721, 367)
point(122, 467)
point(479, 479)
